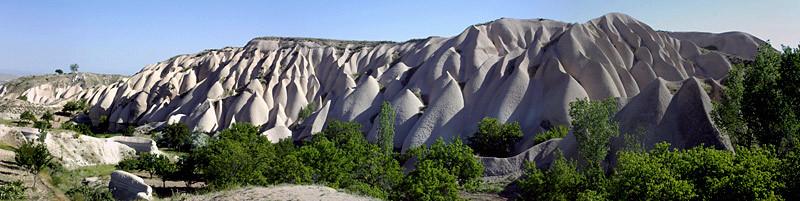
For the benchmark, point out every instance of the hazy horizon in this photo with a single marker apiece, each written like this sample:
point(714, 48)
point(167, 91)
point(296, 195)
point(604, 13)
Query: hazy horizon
point(123, 37)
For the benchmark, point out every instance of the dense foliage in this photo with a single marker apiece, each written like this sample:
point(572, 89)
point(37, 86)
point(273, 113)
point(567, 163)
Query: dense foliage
point(694, 174)
point(495, 139)
point(76, 106)
point(555, 132)
point(761, 102)
point(386, 128)
point(27, 115)
point(593, 126)
point(176, 136)
point(339, 157)
point(85, 192)
point(13, 191)
point(83, 129)
point(33, 156)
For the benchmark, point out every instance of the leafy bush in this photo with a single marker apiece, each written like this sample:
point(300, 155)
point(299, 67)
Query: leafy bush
point(47, 116)
point(556, 132)
point(386, 128)
point(82, 129)
point(593, 127)
point(563, 182)
point(27, 115)
point(129, 131)
point(13, 191)
point(22, 97)
point(495, 139)
point(176, 136)
point(84, 192)
point(759, 105)
point(72, 106)
point(428, 181)
point(306, 111)
point(33, 157)
point(42, 125)
point(128, 164)
point(457, 159)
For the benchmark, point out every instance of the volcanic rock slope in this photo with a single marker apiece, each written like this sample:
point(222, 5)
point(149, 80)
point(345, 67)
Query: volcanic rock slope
point(58, 89)
point(513, 70)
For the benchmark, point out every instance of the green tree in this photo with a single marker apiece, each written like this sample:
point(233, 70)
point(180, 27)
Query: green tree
point(59, 71)
point(74, 68)
point(33, 157)
point(562, 182)
point(47, 116)
point(593, 127)
point(555, 132)
point(495, 139)
point(238, 156)
point(128, 131)
point(428, 181)
point(386, 128)
point(164, 168)
point(304, 113)
point(82, 129)
point(27, 115)
point(457, 159)
point(22, 97)
point(760, 103)
point(71, 106)
point(177, 136)
point(641, 177)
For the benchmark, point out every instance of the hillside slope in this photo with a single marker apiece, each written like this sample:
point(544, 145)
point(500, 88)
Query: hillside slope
point(52, 89)
point(514, 70)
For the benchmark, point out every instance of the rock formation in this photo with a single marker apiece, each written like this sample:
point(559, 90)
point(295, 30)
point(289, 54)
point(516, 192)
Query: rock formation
point(510, 69)
point(58, 89)
point(126, 186)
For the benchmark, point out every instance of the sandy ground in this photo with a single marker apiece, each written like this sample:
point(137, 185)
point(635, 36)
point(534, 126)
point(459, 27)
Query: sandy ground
point(282, 192)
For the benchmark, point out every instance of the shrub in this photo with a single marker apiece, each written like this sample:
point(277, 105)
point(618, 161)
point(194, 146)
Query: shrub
point(42, 125)
point(77, 105)
point(128, 164)
point(593, 127)
point(28, 116)
point(495, 139)
point(563, 182)
point(386, 128)
point(556, 132)
point(13, 191)
point(238, 156)
point(59, 71)
point(456, 159)
point(699, 173)
point(47, 116)
point(22, 97)
point(33, 157)
point(82, 129)
point(84, 192)
point(129, 131)
point(759, 105)
point(306, 112)
point(428, 181)
point(176, 136)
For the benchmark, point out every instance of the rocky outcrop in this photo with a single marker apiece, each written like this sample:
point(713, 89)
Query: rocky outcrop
point(735, 43)
point(58, 89)
point(526, 71)
point(126, 186)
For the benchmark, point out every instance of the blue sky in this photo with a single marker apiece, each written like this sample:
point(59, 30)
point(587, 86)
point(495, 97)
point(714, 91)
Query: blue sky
point(36, 37)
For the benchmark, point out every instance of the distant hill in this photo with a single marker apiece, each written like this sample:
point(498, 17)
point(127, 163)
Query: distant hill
point(54, 89)
point(6, 77)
